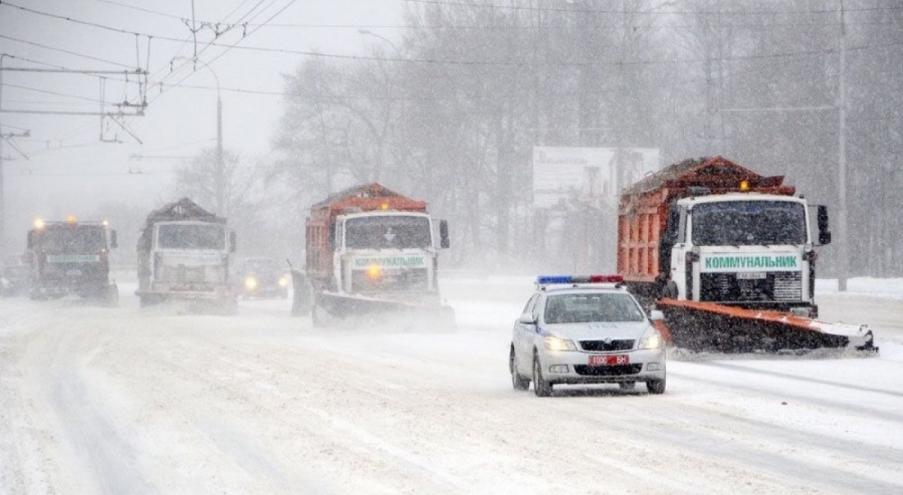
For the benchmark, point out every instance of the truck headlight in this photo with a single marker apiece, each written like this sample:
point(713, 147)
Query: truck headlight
point(553, 343)
point(250, 283)
point(651, 340)
point(283, 281)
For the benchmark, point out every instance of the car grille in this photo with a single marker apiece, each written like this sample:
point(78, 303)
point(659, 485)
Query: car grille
point(410, 279)
point(607, 345)
point(617, 370)
point(776, 286)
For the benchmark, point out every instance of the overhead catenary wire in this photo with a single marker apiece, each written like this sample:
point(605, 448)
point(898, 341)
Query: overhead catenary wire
point(585, 10)
point(462, 62)
point(63, 50)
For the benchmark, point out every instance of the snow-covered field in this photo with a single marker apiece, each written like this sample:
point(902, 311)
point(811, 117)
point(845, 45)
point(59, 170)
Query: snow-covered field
point(98, 400)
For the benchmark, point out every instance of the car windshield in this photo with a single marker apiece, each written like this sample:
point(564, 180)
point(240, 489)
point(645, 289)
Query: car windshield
point(82, 239)
point(191, 236)
point(388, 232)
point(737, 223)
point(593, 307)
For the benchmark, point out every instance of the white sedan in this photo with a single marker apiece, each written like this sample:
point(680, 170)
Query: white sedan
point(581, 330)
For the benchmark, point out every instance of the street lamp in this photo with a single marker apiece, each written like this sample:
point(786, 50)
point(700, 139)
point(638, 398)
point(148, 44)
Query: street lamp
point(220, 180)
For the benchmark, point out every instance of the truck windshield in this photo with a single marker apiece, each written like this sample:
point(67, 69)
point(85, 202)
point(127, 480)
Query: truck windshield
point(739, 223)
point(388, 232)
point(587, 308)
point(73, 240)
point(191, 236)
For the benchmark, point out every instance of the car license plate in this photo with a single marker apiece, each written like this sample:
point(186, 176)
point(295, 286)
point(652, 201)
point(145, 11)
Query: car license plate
point(609, 360)
point(73, 273)
point(750, 275)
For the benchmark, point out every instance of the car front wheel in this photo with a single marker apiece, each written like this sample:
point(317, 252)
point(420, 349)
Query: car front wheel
point(541, 387)
point(656, 386)
point(517, 381)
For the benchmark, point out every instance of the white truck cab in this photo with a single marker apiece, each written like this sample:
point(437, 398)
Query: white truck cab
point(750, 249)
point(387, 254)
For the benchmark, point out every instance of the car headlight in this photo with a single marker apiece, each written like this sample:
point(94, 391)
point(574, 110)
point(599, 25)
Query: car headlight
point(553, 343)
point(283, 281)
point(651, 340)
point(250, 283)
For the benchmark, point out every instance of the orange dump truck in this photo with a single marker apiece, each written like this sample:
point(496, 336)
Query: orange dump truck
point(730, 257)
point(371, 250)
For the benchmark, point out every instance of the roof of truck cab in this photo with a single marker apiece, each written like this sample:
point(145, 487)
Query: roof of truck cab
point(744, 196)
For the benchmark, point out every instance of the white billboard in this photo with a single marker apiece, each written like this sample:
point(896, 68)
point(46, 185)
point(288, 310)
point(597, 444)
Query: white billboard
point(594, 175)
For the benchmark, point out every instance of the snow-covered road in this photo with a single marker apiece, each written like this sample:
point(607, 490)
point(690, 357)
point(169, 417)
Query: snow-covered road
point(98, 400)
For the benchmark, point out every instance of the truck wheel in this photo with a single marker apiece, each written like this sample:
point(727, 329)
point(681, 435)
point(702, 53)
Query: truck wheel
point(111, 296)
point(518, 382)
point(316, 317)
point(541, 387)
point(656, 386)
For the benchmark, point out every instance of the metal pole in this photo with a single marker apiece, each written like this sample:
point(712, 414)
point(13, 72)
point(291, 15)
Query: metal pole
point(842, 234)
point(2, 185)
point(220, 166)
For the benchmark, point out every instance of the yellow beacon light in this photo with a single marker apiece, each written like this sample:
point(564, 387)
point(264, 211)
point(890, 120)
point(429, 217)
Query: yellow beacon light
point(374, 272)
point(744, 185)
point(38, 223)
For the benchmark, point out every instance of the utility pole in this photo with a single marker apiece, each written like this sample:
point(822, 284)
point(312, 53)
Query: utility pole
point(843, 264)
point(220, 166)
point(219, 179)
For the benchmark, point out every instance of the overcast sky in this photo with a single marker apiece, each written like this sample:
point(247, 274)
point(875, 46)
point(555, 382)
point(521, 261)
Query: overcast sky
point(71, 171)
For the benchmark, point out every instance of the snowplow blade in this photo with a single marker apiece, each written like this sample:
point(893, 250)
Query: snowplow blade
point(359, 311)
point(705, 326)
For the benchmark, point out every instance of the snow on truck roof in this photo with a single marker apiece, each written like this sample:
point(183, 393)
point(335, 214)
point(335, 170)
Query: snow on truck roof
point(705, 171)
point(373, 190)
point(183, 209)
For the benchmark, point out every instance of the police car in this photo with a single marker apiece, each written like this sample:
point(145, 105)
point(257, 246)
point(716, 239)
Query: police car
point(581, 330)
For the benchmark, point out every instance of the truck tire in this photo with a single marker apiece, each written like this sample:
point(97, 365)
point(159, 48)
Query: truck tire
point(302, 295)
point(317, 317)
point(111, 296)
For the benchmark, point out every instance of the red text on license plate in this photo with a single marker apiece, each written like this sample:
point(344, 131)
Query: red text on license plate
point(609, 360)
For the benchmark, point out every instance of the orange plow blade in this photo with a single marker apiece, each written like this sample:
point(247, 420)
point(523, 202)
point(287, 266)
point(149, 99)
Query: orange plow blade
point(707, 326)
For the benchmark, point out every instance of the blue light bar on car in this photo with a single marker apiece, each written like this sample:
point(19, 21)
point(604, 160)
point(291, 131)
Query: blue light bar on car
point(571, 279)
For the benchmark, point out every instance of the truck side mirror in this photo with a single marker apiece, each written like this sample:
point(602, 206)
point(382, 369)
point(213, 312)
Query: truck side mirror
point(824, 235)
point(232, 241)
point(30, 241)
point(114, 241)
point(444, 242)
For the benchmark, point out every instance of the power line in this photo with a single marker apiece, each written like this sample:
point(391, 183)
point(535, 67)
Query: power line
point(49, 92)
point(459, 62)
point(580, 10)
point(63, 50)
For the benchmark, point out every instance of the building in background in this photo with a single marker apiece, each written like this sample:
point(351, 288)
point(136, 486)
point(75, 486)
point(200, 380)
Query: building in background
point(575, 194)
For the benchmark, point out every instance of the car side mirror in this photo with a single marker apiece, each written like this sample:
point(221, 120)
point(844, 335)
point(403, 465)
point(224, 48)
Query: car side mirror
point(526, 319)
point(824, 235)
point(114, 241)
point(232, 241)
point(444, 241)
point(656, 315)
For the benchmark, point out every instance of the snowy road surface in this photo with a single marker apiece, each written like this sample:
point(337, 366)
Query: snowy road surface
point(97, 400)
